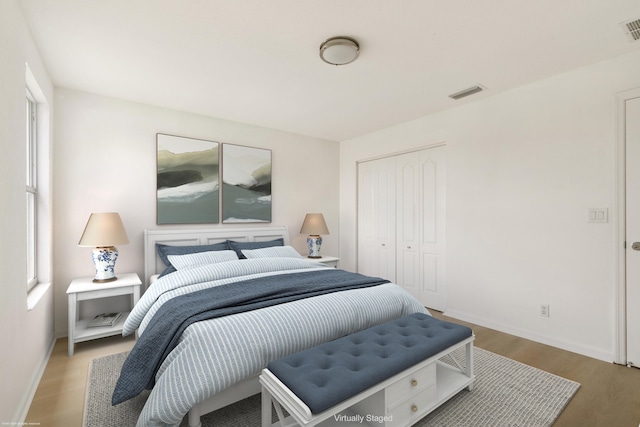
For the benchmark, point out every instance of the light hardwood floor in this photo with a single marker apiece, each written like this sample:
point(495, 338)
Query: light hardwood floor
point(59, 399)
point(609, 395)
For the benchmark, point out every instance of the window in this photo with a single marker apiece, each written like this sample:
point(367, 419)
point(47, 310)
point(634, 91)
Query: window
point(32, 189)
point(38, 215)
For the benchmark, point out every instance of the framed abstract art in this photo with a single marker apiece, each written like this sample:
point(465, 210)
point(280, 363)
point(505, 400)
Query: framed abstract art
point(187, 180)
point(246, 184)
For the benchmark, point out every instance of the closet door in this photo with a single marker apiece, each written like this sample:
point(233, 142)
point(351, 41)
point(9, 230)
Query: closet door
point(408, 220)
point(376, 218)
point(420, 226)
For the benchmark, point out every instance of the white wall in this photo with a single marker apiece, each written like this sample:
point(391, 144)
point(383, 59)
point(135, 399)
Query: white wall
point(26, 336)
point(523, 167)
point(106, 161)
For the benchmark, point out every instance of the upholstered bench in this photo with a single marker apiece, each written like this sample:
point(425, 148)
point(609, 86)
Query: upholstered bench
point(387, 375)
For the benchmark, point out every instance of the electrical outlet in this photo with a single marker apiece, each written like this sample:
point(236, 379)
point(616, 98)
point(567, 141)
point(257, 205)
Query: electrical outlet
point(544, 310)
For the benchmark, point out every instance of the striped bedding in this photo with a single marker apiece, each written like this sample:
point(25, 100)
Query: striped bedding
point(215, 354)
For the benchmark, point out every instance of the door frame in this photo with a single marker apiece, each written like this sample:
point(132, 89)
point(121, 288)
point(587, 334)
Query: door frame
point(620, 300)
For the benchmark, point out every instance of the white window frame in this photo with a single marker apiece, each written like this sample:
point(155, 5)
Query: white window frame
point(39, 244)
point(31, 118)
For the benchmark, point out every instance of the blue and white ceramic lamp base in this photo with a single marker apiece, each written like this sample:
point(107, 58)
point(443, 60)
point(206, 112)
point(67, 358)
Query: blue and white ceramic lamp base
point(104, 259)
point(314, 242)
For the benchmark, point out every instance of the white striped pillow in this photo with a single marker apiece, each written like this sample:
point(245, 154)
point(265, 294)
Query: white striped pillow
point(181, 262)
point(272, 252)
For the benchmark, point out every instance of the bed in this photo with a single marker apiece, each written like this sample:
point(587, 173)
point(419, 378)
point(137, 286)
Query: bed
point(215, 361)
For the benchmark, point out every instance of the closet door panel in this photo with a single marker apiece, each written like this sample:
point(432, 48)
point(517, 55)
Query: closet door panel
point(408, 272)
point(429, 201)
point(367, 219)
point(407, 222)
point(429, 273)
point(376, 218)
point(432, 244)
point(407, 191)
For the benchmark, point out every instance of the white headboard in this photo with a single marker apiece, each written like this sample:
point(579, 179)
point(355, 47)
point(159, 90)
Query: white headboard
point(154, 265)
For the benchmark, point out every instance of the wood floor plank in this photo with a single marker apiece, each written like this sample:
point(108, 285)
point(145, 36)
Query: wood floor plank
point(59, 399)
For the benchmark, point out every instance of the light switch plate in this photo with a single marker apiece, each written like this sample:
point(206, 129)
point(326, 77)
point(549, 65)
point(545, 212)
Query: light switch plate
point(598, 215)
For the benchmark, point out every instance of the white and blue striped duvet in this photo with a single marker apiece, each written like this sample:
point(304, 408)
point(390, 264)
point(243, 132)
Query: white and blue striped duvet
point(215, 354)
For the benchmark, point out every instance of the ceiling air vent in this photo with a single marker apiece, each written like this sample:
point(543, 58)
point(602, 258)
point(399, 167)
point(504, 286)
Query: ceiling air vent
point(466, 92)
point(632, 29)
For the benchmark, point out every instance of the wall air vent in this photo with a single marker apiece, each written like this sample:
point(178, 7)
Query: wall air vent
point(632, 29)
point(466, 92)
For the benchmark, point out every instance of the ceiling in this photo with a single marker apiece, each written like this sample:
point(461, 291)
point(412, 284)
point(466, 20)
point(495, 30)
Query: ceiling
point(256, 61)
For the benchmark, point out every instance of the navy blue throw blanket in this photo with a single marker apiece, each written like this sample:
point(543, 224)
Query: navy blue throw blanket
point(163, 333)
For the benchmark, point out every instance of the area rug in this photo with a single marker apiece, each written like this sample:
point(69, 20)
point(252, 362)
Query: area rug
point(505, 393)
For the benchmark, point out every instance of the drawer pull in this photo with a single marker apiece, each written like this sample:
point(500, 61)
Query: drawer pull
point(414, 382)
point(414, 408)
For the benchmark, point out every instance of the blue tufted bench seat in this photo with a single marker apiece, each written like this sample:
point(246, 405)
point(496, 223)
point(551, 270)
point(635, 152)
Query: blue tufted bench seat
point(329, 374)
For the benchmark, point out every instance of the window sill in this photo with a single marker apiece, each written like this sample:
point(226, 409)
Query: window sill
point(35, 294)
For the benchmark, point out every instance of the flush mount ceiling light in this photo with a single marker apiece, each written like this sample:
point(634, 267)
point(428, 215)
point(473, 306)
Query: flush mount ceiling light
point(339, 50)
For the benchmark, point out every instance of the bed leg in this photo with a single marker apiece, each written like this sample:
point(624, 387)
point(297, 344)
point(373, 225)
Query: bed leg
point(194, 417)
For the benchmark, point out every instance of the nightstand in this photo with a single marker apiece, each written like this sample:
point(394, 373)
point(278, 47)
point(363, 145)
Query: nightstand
point(330, 261)
point(85, 289)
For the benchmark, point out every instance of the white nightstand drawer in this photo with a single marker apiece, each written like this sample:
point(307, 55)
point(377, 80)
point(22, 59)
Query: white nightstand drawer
point(410, 385)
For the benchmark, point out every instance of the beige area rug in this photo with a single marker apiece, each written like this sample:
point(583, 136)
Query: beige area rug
point(505, 393)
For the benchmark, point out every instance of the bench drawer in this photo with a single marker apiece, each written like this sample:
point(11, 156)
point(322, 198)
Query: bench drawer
point(410, 384)
point(414, 407)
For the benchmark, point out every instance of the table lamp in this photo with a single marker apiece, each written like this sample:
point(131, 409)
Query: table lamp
point(314, 225)
point(103, 232)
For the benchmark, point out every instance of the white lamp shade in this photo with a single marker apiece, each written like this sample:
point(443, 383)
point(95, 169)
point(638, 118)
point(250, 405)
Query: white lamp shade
point(103, 230)
point(314, 224)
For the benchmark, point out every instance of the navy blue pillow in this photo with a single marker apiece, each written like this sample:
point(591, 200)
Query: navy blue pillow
point(239, 246)
point(165, 250)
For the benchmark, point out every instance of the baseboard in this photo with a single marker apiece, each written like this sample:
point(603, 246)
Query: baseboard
point(543, 339)
point(27, 398)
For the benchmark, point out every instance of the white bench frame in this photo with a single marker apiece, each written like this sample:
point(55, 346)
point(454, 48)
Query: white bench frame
point(449, 381)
